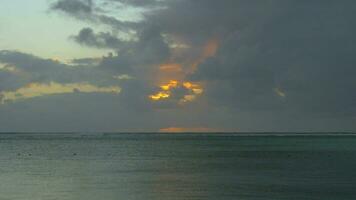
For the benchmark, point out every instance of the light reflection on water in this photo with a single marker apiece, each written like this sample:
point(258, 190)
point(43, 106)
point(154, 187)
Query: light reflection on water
point(156, 166)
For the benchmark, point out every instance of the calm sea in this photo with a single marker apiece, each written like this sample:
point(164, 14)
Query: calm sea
point(177, 166)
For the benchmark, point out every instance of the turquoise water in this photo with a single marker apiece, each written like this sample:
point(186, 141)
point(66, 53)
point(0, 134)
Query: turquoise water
point(176, 166)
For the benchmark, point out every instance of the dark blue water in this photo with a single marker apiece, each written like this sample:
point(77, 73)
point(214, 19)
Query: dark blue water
point(183, 166)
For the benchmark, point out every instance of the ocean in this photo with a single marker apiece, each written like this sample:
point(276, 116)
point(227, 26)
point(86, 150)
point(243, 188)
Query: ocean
point(108, 166)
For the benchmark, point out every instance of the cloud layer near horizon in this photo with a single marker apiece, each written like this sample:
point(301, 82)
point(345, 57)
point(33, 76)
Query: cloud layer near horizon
point(259, 66)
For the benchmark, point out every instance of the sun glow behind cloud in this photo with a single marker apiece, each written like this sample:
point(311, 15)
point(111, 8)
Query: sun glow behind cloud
point(33, 90)
point(170, 85)
point(165, 93)
point(172, 75)
point(187, 130)
point(194, 89)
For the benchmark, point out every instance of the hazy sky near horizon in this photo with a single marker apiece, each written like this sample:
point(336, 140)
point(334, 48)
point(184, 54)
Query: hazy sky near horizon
point(177, 65)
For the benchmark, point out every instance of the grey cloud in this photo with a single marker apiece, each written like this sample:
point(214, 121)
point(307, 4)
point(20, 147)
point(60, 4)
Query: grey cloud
point(34, 69)
point(85, 61)
point(87, 37)
point(10, 81)
point(88, 11)
point(25, 61)
point(76, 8)
point(88, 112)
point(105, 113)
point(139, 3)
point(120, 64)
point(151, 47)
point(139, 56)
point(77, 111)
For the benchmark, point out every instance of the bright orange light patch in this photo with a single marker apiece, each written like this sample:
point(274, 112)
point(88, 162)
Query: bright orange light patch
point(194, 90)
point(159, 95)
point(188, 85)
point(171, 84)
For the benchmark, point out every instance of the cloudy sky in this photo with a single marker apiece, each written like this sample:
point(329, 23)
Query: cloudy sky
point(177, 65)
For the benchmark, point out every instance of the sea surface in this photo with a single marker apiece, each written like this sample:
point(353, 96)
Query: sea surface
point(79, 166)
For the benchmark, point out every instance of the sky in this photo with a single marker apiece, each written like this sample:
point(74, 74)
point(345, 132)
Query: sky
point(177, 66)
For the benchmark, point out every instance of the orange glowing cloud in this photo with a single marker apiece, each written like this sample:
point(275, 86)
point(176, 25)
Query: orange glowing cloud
point(196, 88)
point(169, 71)
point(159, 96)
point(171, 67)
point(209, 50)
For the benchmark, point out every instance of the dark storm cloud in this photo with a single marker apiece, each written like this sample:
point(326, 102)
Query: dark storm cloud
point(303, 49)
point(273, 55)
